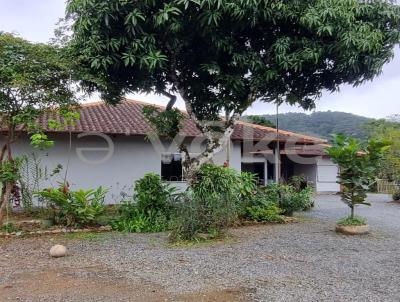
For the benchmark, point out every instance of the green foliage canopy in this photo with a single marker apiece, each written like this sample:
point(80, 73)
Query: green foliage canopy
point(33, 77)
point(222, 55)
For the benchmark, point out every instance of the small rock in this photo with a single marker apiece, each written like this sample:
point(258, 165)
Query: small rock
point(58, 250)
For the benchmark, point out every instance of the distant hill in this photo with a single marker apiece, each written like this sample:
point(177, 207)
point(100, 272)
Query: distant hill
point(322, 124)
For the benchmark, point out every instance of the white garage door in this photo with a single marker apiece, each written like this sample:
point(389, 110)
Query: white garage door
point(327, 176)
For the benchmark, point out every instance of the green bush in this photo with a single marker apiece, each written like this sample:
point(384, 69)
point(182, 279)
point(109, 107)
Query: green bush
point(264, 207)
point(140, 222)
point(396, 195)
point(247, 189)
point(298, 182)
point(247, 185)
point(149, 209)
point(269, 212)
point(216, 192)
point(356, 220)
point(152, 194)
point(291, 201)
point(211, 204)
point(306, 197)
point(287, 198)
point(8, 227)
point(75, 208)
point(186, 220)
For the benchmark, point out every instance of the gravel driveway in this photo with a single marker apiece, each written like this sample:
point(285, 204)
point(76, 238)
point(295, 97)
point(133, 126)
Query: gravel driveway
point(306, 261)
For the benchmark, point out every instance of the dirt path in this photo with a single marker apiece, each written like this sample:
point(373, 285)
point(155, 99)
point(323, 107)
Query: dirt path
point(27, 277)
point(305, 261)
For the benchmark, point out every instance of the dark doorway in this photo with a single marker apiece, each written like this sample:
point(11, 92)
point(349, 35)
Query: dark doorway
point(287, 168)
point(271, 171)
point(255, 168)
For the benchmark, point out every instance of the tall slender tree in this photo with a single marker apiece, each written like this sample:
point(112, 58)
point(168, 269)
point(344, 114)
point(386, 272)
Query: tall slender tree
point(33, 78)
point(220, 56)
point(358, 167)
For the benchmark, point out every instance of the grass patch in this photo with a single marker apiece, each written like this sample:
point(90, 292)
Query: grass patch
point(111, 213)
point(352, 221)
point(8, 227)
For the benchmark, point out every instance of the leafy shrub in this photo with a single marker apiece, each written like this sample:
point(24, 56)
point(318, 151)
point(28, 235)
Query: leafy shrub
point(75, 208)
point(216, 191)
point(356, 220)
point(211, 204)
point(291, 201)
point(9, 170)
point(142, 222)
point(152, 194)
point(8, 227)
point(306, 196)
point(269, 212)
point(110, 214)
point(32, 174)
point(247, 189)
point(298, 182)
point(396, 195)
point(264, 207)
point(247, 185)
point(186, 219)
point(288, 199)
point(150, 208)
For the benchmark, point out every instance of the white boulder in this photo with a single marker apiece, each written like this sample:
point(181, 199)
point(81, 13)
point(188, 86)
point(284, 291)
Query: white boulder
point(58, 250)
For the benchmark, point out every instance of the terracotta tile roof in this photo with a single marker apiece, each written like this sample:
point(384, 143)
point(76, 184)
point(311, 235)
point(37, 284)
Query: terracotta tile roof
point(312, 150)
point(127, 119)
point(244, 130)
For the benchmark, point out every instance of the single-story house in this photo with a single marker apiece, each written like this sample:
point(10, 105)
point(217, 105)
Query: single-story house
point(113, 146)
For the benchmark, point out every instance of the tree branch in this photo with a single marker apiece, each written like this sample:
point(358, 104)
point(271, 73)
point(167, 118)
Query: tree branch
point(172, 99)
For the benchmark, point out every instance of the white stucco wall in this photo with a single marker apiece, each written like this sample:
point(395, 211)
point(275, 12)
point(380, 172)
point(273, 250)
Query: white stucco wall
point(129, 159)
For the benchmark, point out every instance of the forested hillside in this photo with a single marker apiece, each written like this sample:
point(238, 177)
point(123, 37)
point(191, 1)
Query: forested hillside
point(322, 124)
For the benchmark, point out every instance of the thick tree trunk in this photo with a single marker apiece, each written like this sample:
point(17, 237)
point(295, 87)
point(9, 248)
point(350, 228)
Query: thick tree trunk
point(192, 165)
point(5, 197)
point(7, 185)
point(216, 141)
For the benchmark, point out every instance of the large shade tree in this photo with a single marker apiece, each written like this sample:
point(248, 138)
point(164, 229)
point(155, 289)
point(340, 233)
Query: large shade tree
point(33, 78)
point(222, 55)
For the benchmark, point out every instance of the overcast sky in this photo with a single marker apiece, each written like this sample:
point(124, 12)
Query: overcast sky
point(35, 20)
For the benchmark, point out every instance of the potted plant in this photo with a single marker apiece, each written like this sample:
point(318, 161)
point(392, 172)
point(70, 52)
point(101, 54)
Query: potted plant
point(396, 195)
point(358, 165)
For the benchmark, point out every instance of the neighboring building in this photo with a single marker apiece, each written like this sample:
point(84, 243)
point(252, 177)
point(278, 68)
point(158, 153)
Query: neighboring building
point(109, 146)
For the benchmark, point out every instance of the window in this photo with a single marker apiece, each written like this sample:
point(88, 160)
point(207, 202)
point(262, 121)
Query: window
point(171, 167)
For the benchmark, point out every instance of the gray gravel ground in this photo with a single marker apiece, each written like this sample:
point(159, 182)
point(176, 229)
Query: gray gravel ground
point(306, 261)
